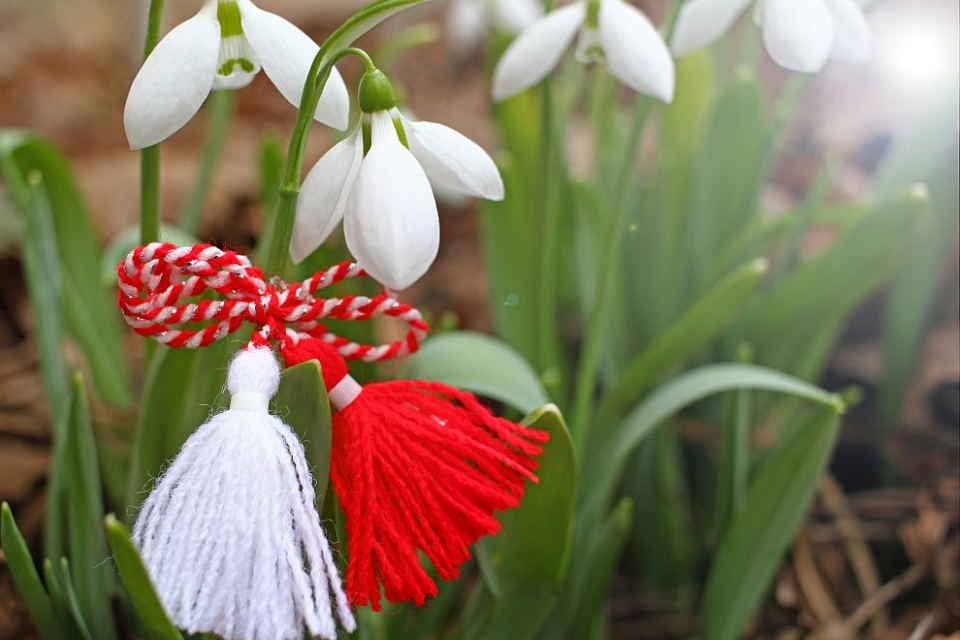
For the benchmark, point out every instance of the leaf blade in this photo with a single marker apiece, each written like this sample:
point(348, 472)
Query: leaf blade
point(759, 534)
point(480, 364)
point(137, 581)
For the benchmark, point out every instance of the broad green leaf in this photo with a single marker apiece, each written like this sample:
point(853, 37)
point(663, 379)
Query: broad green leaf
point(84, 493)
point(25, 576)
point(753, 546)
point(302, 403)
point(165, 411)
point(480, 364)
point(524, 565)
point(604, 461)
point(135, 578)
point(835, 282)
point(89, 309)
point(696, 328)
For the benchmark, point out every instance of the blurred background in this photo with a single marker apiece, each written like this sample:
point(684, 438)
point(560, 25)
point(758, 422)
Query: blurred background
point(65, 69)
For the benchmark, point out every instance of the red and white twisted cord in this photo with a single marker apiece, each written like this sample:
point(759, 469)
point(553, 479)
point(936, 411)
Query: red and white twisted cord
point(157, 282)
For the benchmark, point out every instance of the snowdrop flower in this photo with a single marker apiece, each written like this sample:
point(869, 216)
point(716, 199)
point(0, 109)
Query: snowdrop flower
point(612, 32)
point(800, 35)
point(224, 46)
point(377, 182)
point(468, 20)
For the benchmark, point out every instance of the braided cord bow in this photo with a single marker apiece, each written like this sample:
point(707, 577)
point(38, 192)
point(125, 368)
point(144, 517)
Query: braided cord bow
point(157, 282)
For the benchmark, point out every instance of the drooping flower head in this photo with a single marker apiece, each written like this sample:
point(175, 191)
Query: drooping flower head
point(469, 20)
point(611, 32)
point(224, 46)
point(800, 35)
point(378, 181)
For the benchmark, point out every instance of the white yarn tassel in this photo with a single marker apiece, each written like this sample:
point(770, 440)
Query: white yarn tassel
point(230, 534)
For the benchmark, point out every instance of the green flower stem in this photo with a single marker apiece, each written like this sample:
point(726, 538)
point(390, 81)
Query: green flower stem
point(220, 114)
point(276, 242)
point(150, 156)
point(613, 248)
point(548, 333)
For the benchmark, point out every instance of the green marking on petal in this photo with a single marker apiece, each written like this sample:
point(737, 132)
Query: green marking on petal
point(227, 67)
point(228, 14)
point(593, 14)
point(401, 133)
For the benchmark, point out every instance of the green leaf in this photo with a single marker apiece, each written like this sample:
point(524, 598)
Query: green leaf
point(137, 582)
point(667, 546)
point(734, 465)
point(524, 565)
point(90, 309)
point(758, 536)
point(302, 404)
point(604, 461)
point(833, 283)
point(25, 576)
point(43, 283)
point(696, 328)
point(920, 153)
point(602, 558)
point(480, 364)
point(165, 411)
point(511, 266)
point(724, 184)
point(84, 493)
point(64, 599)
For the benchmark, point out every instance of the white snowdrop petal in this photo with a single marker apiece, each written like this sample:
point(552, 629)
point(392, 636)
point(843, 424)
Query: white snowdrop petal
point(454, 161)
point(174, 81)
point(286, 54)
point(513, 16)
point(798, 34)
point(537, 51)
point(635, 51)
point(391, 226)
point(701, 22)
point(851, 33)
point(464, 25)
point(324, 196)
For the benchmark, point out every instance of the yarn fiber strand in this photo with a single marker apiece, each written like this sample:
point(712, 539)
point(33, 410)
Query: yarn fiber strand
point(230, 535)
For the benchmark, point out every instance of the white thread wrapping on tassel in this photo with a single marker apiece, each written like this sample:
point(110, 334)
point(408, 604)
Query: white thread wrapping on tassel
point(230, 534)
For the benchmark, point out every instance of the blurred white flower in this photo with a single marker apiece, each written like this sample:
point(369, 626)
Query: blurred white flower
point(469, 20)
point(612, 32)
point(377, 182)
point(800, 35)
point(224, 46)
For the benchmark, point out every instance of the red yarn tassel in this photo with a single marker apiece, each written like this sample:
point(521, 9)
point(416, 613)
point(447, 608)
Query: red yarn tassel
point(417, 466)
